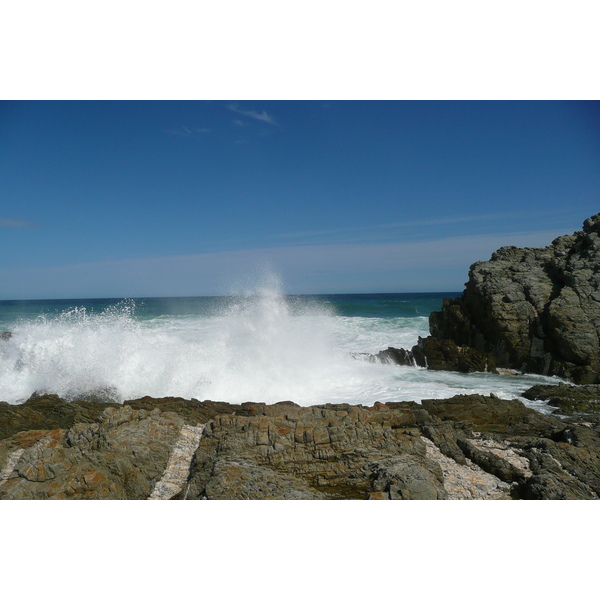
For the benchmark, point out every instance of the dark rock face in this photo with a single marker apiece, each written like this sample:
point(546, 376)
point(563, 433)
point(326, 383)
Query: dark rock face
point(534, 309)
point(490, 415)
point(438, 355)
point(446, 355)
point(46, 412)
point(396, 356)
point(568, 398)
point(463, 447)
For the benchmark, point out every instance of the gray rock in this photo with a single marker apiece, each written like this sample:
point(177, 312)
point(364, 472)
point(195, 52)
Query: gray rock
point(568, 399)
point(533, 309)
point(409, 477)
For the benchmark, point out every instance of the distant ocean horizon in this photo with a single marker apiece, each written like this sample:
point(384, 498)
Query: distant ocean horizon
point(379, 302)
point(259, 346)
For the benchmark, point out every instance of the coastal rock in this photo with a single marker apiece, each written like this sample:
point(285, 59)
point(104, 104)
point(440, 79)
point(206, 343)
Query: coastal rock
point(316, 452)
point(532, 309)
point(395, 356)
point(119, 457)
point(465, 480)
point(463, 447)
point(469, 446)
point(567, 398)
point(487, 414)
point(177, 470)
point(536, 454)
point(46, 411)
point(192, 411)
point(409, 478)
point(446, 355)
point(438, 355)
point(556, 475)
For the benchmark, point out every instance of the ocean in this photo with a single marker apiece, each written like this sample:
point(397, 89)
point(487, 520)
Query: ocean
point(260, 345)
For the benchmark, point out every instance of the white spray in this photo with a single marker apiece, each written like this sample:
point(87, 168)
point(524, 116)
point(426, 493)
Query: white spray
point(260, 347)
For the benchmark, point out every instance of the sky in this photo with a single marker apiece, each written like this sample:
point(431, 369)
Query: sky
point(186, 198)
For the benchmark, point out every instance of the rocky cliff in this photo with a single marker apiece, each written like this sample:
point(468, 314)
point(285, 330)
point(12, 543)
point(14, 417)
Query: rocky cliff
point(466, 447)
point(531, 309)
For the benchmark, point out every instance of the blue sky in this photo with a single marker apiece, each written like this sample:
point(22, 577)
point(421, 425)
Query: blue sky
point(150, 198)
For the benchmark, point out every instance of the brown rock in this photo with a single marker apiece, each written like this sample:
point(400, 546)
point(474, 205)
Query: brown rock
point(309, 452)
point(399, 450)
point(120, 457)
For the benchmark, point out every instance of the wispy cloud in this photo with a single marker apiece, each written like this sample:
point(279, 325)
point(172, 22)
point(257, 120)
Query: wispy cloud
point(381, 231)
point(252, 114)
point(13, 223)
point(185, 131)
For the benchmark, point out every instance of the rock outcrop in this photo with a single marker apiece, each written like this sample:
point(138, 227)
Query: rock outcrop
point(434, 354)
point(119, 456)
point(46, 411)
point(286, 451)
point(568, 399)
point(466, 447)
point(531, 309)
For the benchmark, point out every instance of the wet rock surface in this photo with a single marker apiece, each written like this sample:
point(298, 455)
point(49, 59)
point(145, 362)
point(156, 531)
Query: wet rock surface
point(46, 411)
point(567, 399)
point(531, 309)
point(446, 355)
point(466, 447)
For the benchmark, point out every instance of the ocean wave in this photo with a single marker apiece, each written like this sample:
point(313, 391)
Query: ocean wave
point(258, 347)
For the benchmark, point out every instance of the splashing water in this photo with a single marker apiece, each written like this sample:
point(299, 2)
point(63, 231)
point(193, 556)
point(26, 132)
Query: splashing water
point(258, 346)
point(252, 348)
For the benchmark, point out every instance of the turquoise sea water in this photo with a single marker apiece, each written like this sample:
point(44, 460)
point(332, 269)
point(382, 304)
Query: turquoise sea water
point(258, 346)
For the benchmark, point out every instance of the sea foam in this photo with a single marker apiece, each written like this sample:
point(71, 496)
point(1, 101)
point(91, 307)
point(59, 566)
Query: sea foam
point(257, 346)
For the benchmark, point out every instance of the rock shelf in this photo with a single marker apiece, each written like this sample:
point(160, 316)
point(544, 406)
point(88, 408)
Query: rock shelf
point(466, 447)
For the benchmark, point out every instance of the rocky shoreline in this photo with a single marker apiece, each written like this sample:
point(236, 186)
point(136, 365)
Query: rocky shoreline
point(535, 310)
point(466, 447)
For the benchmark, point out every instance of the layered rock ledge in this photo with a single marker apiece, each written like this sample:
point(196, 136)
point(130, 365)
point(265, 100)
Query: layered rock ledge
point(466, 447)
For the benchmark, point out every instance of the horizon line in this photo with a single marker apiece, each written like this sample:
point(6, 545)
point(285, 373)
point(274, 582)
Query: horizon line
point(120, 298)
